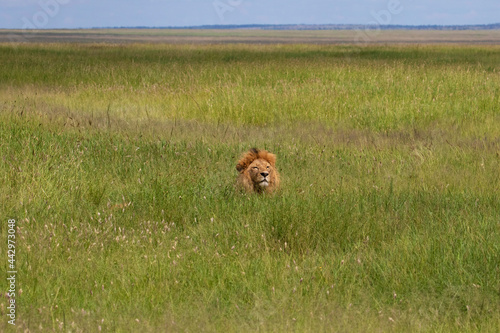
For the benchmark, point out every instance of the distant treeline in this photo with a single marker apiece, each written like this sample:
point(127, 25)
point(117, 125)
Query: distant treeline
point(333, 27)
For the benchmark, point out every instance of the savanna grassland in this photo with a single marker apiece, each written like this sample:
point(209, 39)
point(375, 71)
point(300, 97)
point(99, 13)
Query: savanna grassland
point(118, 164)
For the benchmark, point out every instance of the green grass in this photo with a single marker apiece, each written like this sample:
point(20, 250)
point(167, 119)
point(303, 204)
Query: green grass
point(118, 164)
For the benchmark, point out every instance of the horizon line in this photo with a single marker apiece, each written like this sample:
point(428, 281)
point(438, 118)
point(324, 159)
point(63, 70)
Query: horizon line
point(302, 26)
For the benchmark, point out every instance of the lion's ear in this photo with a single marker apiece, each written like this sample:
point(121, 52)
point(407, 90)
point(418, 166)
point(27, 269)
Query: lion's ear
point(271, 158)
point(240, 167)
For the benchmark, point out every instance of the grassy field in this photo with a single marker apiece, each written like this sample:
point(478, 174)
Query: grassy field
point(253, 36)
point(118, 164)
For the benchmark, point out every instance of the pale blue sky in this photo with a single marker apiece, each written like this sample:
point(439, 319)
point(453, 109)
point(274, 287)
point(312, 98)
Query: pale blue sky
point(155, 13)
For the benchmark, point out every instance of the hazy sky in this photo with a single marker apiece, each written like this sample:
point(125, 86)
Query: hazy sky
point(155, 13)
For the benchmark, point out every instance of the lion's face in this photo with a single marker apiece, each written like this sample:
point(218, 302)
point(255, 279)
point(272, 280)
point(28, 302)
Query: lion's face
point(258, 172)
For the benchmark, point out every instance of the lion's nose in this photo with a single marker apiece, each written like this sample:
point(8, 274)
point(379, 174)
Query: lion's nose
point(264, 174)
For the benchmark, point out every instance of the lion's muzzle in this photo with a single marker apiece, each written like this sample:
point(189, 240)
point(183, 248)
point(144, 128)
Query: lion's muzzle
point(265, 181)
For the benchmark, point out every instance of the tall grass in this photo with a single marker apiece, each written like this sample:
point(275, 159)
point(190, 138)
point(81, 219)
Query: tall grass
point(118, 164)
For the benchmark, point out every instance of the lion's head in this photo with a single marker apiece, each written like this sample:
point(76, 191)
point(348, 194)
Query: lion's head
point(258, 172)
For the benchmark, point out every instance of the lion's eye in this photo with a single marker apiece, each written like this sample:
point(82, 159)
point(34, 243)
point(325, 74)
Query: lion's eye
point(255, 168)
point(268, 167)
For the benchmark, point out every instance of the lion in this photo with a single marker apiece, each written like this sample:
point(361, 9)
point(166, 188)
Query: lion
point(258, 172)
